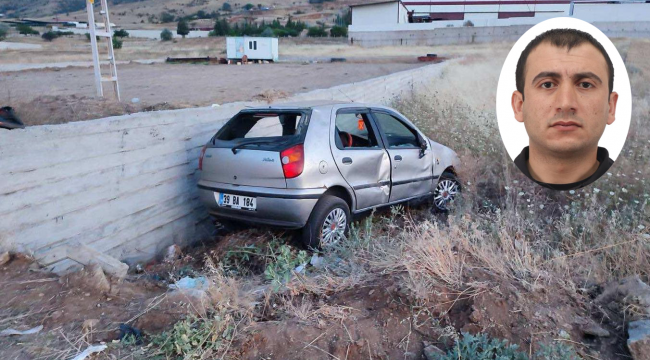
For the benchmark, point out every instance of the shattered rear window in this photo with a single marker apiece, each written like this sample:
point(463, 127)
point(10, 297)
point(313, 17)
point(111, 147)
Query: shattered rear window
point(269, 124)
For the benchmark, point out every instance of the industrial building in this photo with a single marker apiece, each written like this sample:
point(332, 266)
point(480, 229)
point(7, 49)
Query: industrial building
point(426, 22)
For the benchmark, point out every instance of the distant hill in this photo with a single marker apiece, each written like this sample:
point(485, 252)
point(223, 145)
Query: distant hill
point(149, 13)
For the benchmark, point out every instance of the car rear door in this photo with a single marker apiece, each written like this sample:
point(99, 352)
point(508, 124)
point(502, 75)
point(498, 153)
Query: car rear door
point(360, 156)
point(411, 167)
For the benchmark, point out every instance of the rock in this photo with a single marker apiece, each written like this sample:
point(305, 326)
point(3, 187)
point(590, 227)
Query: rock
point(594, 329)
point(4, 258)
point(92, 277)
point(432, 352)
point(630, 290)
point(639, 339)
point(564, 335)
point(475, 316)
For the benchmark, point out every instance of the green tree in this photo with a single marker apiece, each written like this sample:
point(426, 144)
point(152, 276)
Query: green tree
point(166, 17)
point(117, 43)
point(339, 31)
point(268, 32)
point(226, 7)
point(183, 28)
point(166, 35)
point(121, 33)
point(221, 28)
point(49, 36)
point(249, 6)
point(316, 31)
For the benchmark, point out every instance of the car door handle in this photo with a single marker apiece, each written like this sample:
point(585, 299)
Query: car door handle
point(347, 160)
point(398, 157)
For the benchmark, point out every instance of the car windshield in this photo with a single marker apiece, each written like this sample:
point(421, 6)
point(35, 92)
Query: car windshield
point(263, 124)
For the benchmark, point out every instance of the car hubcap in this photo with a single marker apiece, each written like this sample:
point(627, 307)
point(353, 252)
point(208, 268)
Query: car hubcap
point(445, 193)
point(333, 228)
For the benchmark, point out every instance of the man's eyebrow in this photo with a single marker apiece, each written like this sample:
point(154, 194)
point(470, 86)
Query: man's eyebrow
point(587, 75)
point(544, 74)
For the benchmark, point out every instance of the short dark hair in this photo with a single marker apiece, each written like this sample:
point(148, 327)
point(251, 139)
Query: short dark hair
point(562, 38)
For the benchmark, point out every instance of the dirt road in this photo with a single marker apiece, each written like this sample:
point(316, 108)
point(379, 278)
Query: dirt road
point(192, 84)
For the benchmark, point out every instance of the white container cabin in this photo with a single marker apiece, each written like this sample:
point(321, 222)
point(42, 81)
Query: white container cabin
point(255, 48)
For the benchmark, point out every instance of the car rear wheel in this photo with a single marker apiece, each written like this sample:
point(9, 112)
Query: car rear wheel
point(328, 223)
point(446, 191)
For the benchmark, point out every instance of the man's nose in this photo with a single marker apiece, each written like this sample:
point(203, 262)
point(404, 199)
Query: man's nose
point(567, 98)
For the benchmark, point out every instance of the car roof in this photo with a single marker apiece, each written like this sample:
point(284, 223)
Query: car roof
point(310, 104)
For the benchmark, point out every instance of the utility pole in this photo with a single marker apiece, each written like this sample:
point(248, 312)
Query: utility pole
point(106, 34)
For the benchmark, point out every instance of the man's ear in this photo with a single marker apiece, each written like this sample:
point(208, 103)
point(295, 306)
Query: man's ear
point(611, 115)
point(518, 105)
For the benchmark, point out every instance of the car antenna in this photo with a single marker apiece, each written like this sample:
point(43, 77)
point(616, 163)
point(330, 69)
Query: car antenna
point(346, 95)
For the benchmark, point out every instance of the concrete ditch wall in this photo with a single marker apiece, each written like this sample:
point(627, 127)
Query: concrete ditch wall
point(470, 35)
point(126, 186)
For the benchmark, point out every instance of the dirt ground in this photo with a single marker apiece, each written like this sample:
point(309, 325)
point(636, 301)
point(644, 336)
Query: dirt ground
point(32, 93)
point(378, 319)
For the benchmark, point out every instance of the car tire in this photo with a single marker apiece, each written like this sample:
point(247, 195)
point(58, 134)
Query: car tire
point(447, 188)
point(330, 211)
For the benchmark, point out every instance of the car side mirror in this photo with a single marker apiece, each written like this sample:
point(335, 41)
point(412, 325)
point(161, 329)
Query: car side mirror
point(423, 146)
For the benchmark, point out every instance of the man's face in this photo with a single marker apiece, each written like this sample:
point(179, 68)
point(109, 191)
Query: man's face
point(566, 105)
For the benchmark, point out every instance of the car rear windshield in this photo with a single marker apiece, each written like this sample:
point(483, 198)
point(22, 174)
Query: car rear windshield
point(269, 124)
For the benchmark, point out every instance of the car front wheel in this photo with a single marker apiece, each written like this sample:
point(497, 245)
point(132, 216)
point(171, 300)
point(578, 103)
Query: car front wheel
point(328, 223)
point(446, 191)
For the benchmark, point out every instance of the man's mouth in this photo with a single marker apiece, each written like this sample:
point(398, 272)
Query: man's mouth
point(565, 125)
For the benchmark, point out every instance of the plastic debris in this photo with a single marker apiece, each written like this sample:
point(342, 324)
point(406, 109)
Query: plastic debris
point(216, 105)
point(89, 351)
point(9, 119)
point(9, 332)
point(135, 100)
point(316, 261)
point(199, 283)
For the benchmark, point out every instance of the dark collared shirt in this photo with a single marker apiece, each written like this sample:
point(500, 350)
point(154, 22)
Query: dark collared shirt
point(602, 156)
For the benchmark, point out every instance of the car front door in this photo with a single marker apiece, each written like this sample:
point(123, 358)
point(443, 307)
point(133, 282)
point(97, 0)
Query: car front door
point(411, 164)
point(360, 157)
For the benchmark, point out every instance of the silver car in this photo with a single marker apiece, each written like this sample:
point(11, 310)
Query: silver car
point(311, 165)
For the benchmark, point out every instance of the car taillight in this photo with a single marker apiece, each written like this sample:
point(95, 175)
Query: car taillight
point(205, 147)
point(293, 161)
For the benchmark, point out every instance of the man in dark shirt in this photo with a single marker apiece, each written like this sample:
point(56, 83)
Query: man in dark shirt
point(567, 78)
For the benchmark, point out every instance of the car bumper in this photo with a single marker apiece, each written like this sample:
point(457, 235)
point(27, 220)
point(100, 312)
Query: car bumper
point(289, 208)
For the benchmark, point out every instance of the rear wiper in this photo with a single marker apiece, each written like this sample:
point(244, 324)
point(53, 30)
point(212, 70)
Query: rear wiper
point(239, 146)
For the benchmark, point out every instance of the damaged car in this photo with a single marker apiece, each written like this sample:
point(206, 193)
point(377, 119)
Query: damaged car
point(312, 166)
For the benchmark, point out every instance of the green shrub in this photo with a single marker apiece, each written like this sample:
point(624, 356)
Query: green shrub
point(166, 35)
point(249, 6)
point(49, 36)
point(316, 31)
point(166, 17)
point(194, 336)
point(226, 7)
point(121, 33)
point(339, 31)
point(480, 347)
point(280, 269)
point(268, 32)
point(26, 30)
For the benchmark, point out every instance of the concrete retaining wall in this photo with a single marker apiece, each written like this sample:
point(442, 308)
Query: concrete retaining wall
point(126, 186)
point(469, 35)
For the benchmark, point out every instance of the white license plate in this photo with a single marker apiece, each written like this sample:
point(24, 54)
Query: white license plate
point(236, 201)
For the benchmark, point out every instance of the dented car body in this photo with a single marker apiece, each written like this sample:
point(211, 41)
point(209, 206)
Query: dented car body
point(312, 165)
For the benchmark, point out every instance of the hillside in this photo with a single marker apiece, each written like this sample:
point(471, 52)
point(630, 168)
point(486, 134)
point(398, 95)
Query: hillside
point(147, 13)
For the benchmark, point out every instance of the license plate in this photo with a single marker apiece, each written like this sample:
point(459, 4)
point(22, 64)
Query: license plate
point(236, 201)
